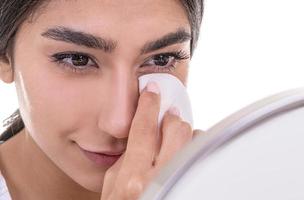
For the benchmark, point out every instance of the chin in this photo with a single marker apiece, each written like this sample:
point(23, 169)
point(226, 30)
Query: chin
point(93, 185)
point(94, 188)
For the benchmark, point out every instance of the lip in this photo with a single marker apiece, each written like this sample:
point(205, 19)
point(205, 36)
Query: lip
point(102, 158)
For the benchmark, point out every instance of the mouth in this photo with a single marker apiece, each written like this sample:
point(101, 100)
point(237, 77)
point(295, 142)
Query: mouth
point(105, 159)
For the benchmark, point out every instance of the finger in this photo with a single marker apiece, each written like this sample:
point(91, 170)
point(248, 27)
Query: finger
point(143, 132)
point(175, 134)
point(112, 173)
point(198, 132)
point(115, 168)
point(135, 186)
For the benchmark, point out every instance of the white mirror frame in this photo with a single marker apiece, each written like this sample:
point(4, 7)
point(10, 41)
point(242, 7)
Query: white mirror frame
point(204, 145)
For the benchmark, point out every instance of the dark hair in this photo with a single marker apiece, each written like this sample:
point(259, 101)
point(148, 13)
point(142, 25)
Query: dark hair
point(14, 12)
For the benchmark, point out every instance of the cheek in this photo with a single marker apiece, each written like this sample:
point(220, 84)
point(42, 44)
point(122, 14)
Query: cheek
point(54, 103)
point(182, 73)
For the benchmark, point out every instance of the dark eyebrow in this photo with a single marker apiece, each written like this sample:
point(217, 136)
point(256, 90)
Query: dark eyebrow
point(180, 36)
point(69, 35)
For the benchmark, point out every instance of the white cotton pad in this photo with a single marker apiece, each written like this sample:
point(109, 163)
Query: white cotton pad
point(172, 93)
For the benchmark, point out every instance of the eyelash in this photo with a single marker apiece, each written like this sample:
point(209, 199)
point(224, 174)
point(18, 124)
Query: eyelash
point(173, 57)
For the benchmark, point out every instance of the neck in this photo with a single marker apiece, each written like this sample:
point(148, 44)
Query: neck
point(30, 174)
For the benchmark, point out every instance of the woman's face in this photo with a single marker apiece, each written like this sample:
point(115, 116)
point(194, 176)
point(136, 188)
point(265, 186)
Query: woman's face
point(88, 99)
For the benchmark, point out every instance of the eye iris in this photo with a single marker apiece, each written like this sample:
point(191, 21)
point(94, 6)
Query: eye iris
point(79, 60)
point(161, 60)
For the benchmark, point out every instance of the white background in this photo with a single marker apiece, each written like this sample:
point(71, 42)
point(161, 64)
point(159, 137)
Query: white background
point(248, 50)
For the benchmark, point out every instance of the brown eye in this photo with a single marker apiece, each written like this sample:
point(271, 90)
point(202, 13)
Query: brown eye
point(162, 60)
point(165, 59)
point(165, 62)
point(79, 60)
point(76, 60)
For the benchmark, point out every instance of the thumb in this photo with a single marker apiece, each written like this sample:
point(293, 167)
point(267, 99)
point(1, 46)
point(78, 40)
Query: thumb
point(111, 176)
point(198, 132)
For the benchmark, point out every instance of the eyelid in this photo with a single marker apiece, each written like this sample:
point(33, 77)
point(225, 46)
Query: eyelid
point(90, 56)
point(183, 54)
point(177, 56)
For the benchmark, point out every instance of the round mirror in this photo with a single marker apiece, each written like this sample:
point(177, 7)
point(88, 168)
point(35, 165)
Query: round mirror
point(255, 153)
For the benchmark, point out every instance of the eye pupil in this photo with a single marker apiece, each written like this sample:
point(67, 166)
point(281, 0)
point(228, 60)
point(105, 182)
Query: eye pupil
point(79, 60)
point(161, 60)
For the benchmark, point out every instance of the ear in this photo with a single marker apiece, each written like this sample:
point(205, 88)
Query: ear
point(6, 69)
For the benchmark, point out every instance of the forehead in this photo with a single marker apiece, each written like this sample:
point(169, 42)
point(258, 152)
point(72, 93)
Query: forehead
point(113, 17)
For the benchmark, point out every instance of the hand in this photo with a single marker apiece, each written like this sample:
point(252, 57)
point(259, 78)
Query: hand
point(146, 153)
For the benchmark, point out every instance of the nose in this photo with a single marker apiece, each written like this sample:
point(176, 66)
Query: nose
point(118, 109)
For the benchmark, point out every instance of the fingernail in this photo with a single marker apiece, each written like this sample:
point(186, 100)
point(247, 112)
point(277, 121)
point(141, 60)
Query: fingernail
point(152, 87)
point(174, 111)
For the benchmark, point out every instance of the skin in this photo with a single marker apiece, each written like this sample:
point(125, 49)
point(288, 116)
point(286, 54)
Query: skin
point(99, 109)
